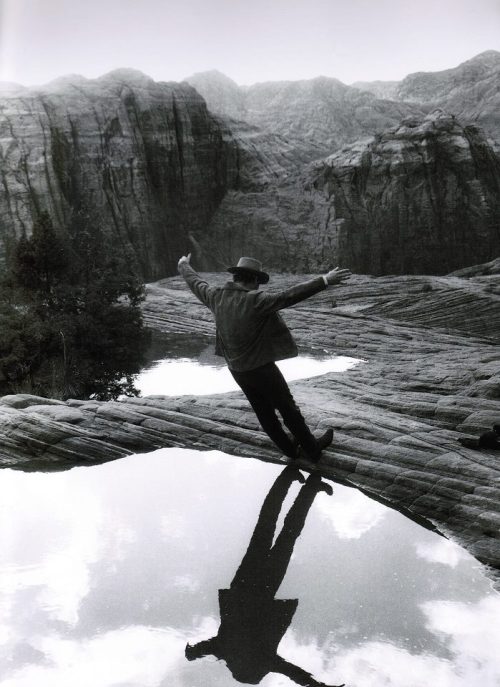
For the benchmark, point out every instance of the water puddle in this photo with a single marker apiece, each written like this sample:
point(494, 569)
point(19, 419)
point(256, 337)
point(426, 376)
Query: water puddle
point(186, 568)
point(188, 365)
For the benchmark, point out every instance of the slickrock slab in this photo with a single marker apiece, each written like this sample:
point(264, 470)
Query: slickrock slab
point(397, 415)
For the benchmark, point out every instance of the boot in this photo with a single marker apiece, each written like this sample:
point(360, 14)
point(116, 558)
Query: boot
point(324, 440)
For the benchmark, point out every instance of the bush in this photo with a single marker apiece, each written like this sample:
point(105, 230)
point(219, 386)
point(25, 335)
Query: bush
point(70, 318)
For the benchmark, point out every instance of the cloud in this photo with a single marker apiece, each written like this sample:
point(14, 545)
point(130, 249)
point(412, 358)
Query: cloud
point(351, 513)
point(134, 656)
point(60, 569)
point(473, 635)
point(442, 551)
point(469, 635)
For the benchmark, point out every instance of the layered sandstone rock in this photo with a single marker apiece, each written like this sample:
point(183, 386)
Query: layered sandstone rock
point(423, 197)
point(147, 157)
point(469, 91)
point(423, 383)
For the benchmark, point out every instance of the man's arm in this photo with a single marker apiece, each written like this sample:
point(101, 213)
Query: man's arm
point(198, 286)
point(272, 302)
point(297, 674)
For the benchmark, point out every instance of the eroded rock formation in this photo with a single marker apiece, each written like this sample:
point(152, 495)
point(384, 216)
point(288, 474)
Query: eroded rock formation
point(147, 157)
point(323, 112)
point(423, 197)
point(469, 91)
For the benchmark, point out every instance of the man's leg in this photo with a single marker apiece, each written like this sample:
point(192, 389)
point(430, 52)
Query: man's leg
point(282, 399)
point(258, 395)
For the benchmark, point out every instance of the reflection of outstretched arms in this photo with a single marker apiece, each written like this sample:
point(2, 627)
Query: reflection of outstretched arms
point(207, 647)
point(297, 674)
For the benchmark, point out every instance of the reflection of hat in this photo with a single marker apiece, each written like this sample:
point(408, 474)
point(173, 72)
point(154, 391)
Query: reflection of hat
point(252, 266)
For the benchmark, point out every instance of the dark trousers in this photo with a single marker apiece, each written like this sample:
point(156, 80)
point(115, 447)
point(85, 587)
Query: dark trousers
point(267, 391)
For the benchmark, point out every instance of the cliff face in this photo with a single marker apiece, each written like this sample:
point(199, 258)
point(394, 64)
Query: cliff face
point(469, 91)
point(148, 156)
point(423, 197)
point(165, 175)
point(323, 113)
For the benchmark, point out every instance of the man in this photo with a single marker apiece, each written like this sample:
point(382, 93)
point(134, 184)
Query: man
point(252, 336)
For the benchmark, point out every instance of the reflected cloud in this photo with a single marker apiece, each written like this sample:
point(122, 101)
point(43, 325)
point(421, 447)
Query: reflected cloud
point(187, 582)
point(442, 551)
point(173, 525)
point(59, 574)
point(473, 632)
point(151, 537)
point(318, 660)
point(472, 635)
point(351, 514)
point(134, 656)
point(378, 664)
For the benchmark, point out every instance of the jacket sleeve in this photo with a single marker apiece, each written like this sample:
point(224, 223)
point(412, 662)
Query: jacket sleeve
point(270, 302)
point(297, 674)
point(198, 286)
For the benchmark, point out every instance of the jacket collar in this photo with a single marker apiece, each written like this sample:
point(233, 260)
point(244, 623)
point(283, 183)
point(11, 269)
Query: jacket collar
point(235, 286)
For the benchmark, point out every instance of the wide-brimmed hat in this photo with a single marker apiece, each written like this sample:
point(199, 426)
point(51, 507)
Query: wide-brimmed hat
point(252, 266)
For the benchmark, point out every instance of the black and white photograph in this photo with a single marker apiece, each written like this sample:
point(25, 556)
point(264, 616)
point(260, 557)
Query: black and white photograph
point(249, 343)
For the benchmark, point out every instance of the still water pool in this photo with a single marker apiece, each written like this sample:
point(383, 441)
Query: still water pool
point(108, 572)
point(185, 569)
point(187, 365)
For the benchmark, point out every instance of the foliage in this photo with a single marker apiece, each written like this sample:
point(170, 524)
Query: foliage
point(70, 318)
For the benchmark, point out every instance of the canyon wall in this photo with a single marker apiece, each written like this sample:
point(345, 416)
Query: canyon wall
point(423, 197)
point(301, 174)
point(322, 113)
point(147, 157)
point(469, 91)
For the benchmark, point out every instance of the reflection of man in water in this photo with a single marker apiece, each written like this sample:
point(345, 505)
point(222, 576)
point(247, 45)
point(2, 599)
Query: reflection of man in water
point(253, 622)
point(252, 336)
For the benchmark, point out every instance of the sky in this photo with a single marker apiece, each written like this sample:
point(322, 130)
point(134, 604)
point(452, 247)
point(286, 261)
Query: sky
point(248, 40)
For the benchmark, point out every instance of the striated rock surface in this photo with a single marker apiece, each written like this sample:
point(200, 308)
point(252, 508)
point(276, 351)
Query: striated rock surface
point(148, 156)
point(423, 197)
point(424, 382)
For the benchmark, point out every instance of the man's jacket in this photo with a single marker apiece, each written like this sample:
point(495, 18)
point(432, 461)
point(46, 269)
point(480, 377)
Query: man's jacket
point(250, 331)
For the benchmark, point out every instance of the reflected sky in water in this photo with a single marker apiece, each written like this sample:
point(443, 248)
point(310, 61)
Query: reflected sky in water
point(107, 572)
point(187, 365)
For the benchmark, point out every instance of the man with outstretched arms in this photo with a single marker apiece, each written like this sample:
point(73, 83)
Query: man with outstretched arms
point(252, 336)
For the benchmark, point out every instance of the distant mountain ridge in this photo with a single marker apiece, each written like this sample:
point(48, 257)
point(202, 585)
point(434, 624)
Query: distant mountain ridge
point(324, 110)
point(304, 174)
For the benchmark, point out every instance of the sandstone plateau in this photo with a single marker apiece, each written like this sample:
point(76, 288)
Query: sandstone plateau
point(430, 374)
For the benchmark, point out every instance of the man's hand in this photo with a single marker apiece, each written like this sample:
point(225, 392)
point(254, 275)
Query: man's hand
point(185, 260)
point(337, 276)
